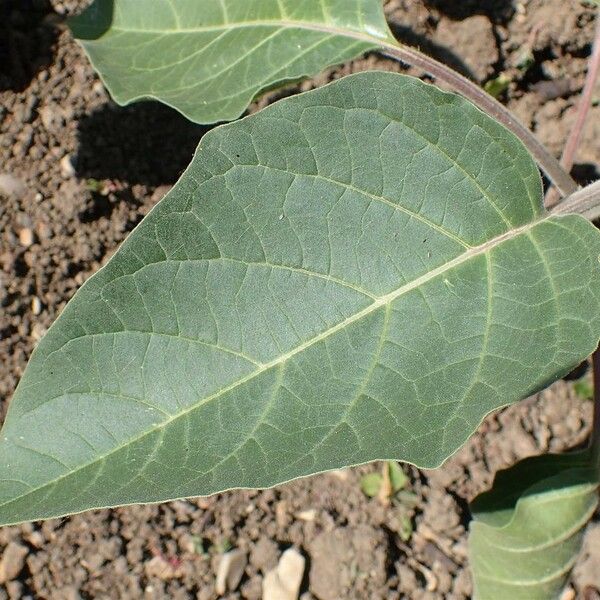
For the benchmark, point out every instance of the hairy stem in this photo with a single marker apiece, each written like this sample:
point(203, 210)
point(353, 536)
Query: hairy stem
point(569, 153)
point(584, 202)
point(595, 440)
point(548, 163)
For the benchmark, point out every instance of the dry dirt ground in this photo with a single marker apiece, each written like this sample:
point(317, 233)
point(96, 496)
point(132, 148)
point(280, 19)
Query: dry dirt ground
point(83, 174)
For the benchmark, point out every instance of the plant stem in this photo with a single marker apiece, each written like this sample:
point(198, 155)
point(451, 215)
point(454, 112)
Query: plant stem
point(595, 437)
point(548, 163)
point(569, 153)
point(584, 202)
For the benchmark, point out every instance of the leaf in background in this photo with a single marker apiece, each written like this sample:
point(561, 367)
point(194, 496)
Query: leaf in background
point(209, 58)
point(527, 529)
point(356, 273)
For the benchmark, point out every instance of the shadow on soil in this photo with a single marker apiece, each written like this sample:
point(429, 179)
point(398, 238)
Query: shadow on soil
point(144, 143)
point(28, 35)
point(497, 11)
point(585, 173)
point(407, 36)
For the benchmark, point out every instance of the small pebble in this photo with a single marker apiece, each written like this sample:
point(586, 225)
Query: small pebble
point(283, 582)
point(38, 331)
point(15, 590)
point(66, 167)
point(161, 568)
point(98, 88)
point(36, 539)
point(341, 474)
point(568, 594)
point(230, 571)
point(43, 231)
point(12, 561)
point(50, 117)
point(26, 237)
point(281, 514)
point(11, 186)
point(36, 305)
point(307, 515)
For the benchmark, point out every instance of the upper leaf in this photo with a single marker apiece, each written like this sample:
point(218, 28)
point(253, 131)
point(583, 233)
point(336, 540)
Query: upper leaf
point(360, 272)
point(209, 59)
point(528, 528)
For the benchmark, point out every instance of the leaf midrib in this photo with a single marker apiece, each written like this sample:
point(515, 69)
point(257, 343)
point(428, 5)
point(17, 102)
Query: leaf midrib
point(278, 23)
point(377, 304)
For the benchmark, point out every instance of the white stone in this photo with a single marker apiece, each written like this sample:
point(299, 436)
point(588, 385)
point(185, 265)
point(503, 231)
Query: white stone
point(230, 571)
point(66, 167)
point(283, 582)
point(12, 562)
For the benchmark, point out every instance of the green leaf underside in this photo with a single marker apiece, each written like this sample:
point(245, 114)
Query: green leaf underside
point(356, 273)
point(528, 529)
point(209, 59)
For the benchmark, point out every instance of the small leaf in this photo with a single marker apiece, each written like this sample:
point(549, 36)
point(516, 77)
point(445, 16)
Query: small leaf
point(209, 58)
point(398, 477)
point(357, 273)
point(406, 528)
point(408, 499)
point(527, 529)
point(584, 389)
point(370, 484)
point(496, 87)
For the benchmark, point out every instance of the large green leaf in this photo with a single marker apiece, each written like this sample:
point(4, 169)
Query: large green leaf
point(209, 58)
point(360, 272)
point(528, 528)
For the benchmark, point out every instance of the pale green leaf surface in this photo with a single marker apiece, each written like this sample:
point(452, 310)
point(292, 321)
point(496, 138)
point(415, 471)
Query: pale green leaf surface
point(528, 528)
point(209, 59)
point(398, 478)
point(360, 272)
point(371, 483)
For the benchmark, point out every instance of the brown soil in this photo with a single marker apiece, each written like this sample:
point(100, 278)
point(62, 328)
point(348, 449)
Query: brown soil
point(60, 131)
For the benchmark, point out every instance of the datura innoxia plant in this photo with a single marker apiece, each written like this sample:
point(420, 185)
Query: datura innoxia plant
point(359, 272)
